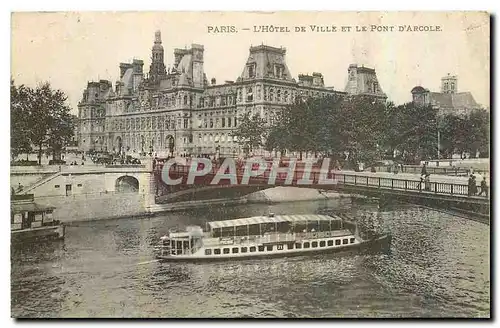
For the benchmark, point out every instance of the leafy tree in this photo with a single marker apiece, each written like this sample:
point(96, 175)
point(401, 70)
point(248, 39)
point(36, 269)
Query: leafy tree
point(362, 128)
point(465, 133)
point(50, 120)
point(478, 132)
point(43, 117)
point(19, 115)
point(412, 131)
point(251, 132)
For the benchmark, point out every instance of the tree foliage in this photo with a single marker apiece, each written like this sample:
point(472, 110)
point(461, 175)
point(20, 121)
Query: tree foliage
point(41, 118)
point(19, 127)
point(361, 129)
point(251, 132)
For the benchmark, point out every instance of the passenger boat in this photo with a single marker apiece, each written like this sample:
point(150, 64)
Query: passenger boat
point(32, 222)
point(268, 236)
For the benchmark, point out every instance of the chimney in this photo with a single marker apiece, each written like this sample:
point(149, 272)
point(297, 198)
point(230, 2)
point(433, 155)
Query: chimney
point(213, 81)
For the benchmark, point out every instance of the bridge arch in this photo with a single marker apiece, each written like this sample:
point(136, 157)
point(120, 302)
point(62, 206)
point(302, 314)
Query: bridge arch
point(126, 183)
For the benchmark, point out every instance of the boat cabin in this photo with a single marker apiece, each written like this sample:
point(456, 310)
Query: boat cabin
point(185, 242)
point(281, 224)
point(26, 214)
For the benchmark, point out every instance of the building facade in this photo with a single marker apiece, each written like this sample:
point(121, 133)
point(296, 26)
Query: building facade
point(178, 111)
point(449, 100)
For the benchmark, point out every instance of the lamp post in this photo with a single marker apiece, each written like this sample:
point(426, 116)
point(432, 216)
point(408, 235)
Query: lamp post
point(438, 144)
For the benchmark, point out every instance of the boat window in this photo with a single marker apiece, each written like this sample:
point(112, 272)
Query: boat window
point(352, 241)
point(314, 244)
point(298, 245)
point(217, 251)
point(290, 245)
point(225, 250)
point(227, 232)
point(235, 250)
point(330, 242)
point(243, 249)
point(337, 242)
point(208, 251)
point(241, 231)
point(253, 249)
point(345, 241)
point(261, 248)
point(322, 243)
point(269, 248)
point(306, 245)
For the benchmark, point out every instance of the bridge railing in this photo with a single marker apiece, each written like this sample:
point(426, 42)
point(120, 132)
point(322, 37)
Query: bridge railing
point(408, 185)
point(348, 179)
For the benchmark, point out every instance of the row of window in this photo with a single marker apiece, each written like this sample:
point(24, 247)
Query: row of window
point(279, 247)
point(217, 123)
point(57, 186)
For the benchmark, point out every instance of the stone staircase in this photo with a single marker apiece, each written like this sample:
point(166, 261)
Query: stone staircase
point(40, 182)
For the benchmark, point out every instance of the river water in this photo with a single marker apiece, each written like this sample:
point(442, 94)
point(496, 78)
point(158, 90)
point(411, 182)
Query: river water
point(438, 267)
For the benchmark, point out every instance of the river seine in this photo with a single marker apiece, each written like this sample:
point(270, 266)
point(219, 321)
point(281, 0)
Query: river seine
point(438, 267)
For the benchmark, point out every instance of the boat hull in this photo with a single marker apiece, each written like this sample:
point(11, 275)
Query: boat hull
point(375, 245)
point(38, 234)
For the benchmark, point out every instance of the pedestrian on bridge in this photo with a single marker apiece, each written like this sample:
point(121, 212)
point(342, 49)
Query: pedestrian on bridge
point(484, 187)
point(424, 169)
point(472, 185)
point(427, 181)
point(422, 180)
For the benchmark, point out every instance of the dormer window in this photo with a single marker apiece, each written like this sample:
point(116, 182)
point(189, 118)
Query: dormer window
point(352, 75)
point(278, 71)
point(251, 71)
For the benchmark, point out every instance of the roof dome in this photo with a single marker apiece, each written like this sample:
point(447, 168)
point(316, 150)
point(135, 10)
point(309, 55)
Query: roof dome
point(418, 89)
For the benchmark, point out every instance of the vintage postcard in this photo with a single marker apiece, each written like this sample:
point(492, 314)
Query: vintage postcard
point(250, 165)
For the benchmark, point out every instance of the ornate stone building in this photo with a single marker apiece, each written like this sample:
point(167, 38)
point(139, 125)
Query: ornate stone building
point(177, 110)
point(448, 100)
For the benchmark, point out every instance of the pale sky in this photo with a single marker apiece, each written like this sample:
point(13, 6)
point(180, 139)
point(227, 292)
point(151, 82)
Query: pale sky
point(69, 49)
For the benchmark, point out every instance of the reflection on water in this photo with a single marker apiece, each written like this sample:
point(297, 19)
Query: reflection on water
point(439, 266)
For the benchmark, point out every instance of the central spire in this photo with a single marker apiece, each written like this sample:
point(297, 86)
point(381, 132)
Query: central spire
point(157, 69)
point(158, 37)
